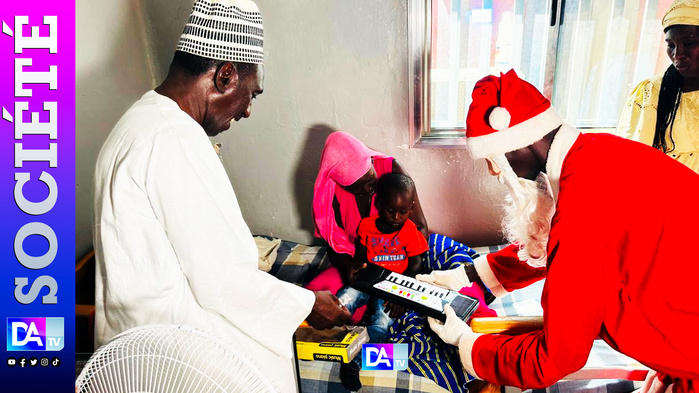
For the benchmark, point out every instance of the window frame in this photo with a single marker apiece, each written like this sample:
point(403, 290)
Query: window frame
point(421, 134)
point(419, 43)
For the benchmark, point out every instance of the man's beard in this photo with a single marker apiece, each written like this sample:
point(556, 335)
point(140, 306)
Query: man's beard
point(528, 211)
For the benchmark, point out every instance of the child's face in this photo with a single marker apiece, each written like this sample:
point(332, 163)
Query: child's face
point(396, 210)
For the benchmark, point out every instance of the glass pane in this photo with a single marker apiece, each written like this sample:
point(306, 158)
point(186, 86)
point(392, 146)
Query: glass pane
point(605, 48)
point(474, 38)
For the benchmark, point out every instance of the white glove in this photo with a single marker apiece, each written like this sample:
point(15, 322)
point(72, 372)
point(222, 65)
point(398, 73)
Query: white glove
point(453, 279)
point(456, 332)
point(450, 331)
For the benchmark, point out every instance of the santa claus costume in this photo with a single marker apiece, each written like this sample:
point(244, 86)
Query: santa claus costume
point(618, 265)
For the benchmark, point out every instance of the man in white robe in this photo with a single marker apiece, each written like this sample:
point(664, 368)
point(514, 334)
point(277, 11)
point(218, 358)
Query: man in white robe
point(171, 243)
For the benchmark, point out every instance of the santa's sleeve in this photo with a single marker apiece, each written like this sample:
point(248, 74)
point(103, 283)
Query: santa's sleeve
point(503, 272)
point(573, 303)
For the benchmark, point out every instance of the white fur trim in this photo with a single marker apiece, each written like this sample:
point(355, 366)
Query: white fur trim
point(561, 145)
point(499, 118)
point(516, 137)
point(466, 351)
point(488, 277)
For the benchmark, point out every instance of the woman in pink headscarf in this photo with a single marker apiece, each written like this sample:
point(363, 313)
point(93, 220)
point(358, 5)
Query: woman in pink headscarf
point(344, 194)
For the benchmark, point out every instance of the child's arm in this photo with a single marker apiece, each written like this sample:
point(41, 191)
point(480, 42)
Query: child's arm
point(414, 265)
point(360, 252)
point(357, 263)
point(414, 244)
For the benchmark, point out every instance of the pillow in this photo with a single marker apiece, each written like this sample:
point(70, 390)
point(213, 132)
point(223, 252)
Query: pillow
point(267, 252)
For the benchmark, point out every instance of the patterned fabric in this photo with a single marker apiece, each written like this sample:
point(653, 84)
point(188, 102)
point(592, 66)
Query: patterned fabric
point(446, 253)
point(638, 117)
point(228, 30)
point(583, 386)
point(322, 377)
point(391, 250)
point(682, 12)
point(429, 356)
point(527, 301)
point(299, 263)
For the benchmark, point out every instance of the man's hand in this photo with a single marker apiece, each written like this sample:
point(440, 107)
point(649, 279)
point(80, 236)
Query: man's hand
point(393, 310)
point(327, 312)
point(453, 279)
point(451, 331)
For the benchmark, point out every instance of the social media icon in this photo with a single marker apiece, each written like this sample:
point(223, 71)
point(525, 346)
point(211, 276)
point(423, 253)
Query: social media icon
point(44, 362)
point(11, 362)
point(33, 362)
point(56, 362)
point(22, 362)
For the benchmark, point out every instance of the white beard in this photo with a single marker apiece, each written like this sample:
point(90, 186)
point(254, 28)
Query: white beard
point(528, 211)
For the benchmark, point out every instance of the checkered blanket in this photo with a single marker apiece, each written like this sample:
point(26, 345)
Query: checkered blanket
point(527, 301)
point(299, 263)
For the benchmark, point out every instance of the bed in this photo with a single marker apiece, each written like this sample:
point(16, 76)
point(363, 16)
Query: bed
point(298, 263)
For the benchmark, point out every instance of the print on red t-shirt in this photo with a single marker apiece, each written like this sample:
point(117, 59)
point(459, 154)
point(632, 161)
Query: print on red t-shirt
point(391, 250)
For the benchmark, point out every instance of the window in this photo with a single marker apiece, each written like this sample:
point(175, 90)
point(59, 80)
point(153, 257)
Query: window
point(584, 55)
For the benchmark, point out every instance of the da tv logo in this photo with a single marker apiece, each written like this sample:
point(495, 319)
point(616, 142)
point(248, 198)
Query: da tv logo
point(384, 356)
point(34, 334)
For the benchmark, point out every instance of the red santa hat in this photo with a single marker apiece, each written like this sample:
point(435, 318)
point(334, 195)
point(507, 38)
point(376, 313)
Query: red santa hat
point(507, 114)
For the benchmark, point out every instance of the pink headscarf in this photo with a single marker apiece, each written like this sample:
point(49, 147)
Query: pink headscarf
point(345, 159)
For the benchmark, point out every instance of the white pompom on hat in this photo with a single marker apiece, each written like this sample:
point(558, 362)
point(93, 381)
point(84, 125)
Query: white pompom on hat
point(229, 30)
point(499, 118)
point(507, 114)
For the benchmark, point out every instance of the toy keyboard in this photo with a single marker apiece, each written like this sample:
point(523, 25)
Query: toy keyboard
point(412, 294)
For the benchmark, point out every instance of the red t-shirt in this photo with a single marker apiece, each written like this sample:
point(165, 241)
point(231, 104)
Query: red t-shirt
point(391, 250)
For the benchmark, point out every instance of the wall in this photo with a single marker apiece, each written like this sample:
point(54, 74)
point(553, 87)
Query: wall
point(329, 64)
point(113, 69)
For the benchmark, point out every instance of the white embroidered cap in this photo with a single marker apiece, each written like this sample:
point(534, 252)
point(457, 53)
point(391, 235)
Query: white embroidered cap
point(228, 30)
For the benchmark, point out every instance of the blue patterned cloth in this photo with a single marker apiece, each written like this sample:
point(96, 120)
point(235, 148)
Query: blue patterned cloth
point(446, 253)
point(429, 356)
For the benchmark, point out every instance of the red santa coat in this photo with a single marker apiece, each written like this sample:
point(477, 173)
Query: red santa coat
point(620, 267)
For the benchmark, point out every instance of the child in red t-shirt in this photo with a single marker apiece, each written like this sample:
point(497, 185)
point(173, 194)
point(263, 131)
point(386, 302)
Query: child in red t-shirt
point(390, 240)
